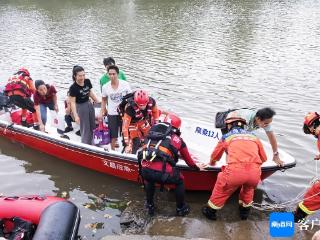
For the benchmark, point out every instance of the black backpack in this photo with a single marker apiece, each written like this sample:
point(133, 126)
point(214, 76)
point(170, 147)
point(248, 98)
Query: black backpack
point(158, 139)
point(125, 100)
point(221, 117)
point(159, 135)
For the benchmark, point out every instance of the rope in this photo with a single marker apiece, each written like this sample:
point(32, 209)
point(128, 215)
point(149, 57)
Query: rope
point(293, 202)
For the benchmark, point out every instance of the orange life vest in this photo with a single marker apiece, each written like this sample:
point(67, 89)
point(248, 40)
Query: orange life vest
point(19, 84)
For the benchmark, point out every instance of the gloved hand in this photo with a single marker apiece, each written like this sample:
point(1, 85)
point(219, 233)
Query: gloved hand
point(128, 149)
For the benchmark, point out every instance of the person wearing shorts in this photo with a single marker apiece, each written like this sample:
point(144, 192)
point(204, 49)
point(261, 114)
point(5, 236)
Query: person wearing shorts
point(112, 94)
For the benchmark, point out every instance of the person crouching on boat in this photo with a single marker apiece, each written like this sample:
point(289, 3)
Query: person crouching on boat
point(82, 108)
point(138, 117)
point(245, 155)
point(262, 118)
point(44, 97)
point(157, 160)
point(311, 199)
point(19, 88)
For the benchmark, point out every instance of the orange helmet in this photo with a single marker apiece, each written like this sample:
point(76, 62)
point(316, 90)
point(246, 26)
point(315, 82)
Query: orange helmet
point(141, 97)
point(234, 117)
point(310, 118)
point(173, 119)
point(22, 69)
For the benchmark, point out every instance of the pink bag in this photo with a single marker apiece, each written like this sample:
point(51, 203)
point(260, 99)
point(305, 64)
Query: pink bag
point(101, 135)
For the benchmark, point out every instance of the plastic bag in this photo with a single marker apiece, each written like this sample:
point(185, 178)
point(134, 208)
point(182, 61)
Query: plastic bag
point(57, 121)
point(101, 135)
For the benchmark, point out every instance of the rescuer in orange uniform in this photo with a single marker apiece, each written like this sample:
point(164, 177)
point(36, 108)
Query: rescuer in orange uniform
point(311, 199)
point(19, 88)
point(138, 117)
point(245, 155)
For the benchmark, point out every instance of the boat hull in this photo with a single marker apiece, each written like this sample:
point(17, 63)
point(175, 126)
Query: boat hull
point(102, 161)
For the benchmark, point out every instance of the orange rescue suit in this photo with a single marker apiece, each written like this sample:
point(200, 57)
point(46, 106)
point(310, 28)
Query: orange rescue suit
point(311, 199)
point(245, 155)
point(137, 122)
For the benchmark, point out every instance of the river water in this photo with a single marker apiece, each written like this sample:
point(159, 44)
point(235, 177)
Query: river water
point(194, 57)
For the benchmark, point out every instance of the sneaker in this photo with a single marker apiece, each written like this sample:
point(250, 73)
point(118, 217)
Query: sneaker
point(68, 129)
point(36, 127)
point(209, 212)
point(78, 133)
point(60, 131)
point(65, 136)
point(244, 212)
point(183, 211)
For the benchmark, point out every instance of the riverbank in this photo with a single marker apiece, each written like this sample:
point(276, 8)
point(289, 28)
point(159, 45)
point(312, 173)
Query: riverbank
point(136, 224)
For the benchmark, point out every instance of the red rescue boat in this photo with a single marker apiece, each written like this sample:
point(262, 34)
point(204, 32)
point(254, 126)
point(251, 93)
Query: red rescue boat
point(200, 137)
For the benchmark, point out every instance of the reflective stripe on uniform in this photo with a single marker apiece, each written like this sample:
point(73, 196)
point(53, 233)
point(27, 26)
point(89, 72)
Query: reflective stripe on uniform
point(305, 209)
point(245, 205)
point(214, 206)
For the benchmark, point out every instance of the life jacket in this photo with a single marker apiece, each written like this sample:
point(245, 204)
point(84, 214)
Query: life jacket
point(157, 145)
point(128, 101)
point(16, 229)
point(124, 101)
point(16, 117)
point(19, 82)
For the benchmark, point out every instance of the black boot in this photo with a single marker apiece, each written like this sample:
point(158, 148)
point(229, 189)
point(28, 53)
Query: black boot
point(244, 212)
point(183, 211)
point(299, 215)
point(36, 127)
point(209, 212)
point(24, 123)
point(150, 208)
point(1, 228)
point(68, 129)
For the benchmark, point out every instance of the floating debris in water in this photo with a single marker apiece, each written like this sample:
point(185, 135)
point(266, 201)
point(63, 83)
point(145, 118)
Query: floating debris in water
point(107, 216)
point(64, 194)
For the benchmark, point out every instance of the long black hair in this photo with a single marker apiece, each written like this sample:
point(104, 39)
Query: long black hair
point(75, 70)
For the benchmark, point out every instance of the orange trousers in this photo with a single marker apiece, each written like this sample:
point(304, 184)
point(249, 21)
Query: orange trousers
point(311, 199)
point(139, 129)
point(137, 132)
point(246, 176)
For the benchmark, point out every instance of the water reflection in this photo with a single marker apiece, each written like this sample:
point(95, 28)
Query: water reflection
point(99, 201)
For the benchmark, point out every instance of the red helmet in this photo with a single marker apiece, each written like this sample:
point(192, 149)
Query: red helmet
point(310, 118)
point(22, 69)
point(141, 97)
point(234, 117)
point(173, 119)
